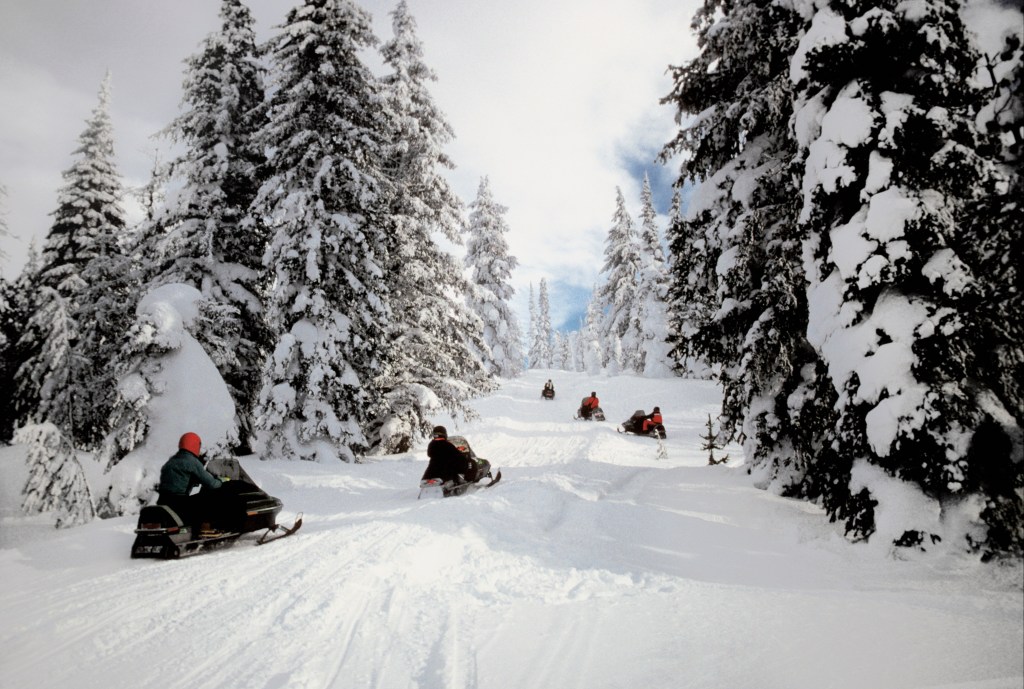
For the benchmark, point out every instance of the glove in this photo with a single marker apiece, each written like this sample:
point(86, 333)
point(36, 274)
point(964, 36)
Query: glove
point(225, 479)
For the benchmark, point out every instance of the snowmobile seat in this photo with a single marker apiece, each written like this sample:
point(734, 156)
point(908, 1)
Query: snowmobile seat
point(159, 519)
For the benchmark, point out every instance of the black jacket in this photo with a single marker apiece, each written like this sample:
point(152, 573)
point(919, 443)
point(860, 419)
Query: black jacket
point(447, 461)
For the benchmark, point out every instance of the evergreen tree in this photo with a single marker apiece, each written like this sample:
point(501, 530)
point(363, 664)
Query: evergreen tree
point(17, 304)
point(436, 346)
point(325, 196)
point(886, 121)
point(995, 218)
point(10, 329)
point(738, 290)
point(557, 352)
point(162, 364)
point(56, 481)
point(207, 237)
point(592, 352)
point(533, 353)
point(491, 291)
point(543, 332)
point(563, 351)
point(619, 295)
point(990, 245)
point(53, 372)
point(652, 292)
point(711, 443)
point(81, 286)
point(579, 346)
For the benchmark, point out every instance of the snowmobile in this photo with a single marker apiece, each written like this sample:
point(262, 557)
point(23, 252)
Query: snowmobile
point(596, 415)
point(242, 507)
point(548, 393)
point(436, 488)
point(635, 423)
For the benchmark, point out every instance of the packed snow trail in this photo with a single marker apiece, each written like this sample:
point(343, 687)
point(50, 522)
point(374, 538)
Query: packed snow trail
point(592, 564)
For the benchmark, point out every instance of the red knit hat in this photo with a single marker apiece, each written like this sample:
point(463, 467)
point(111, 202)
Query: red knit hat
point(190, 442)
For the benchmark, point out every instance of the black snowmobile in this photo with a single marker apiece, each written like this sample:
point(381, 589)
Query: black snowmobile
point(596, 415)
point(548, 393)
point(477, 470)
point(241, 507)
point(635, 424)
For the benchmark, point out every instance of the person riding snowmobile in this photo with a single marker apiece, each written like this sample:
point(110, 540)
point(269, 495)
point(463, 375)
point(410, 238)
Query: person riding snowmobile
point(645, 424)
point(180, 474)
point(447, 462)
point(549, 390)
point(652, 421)
point(588, 405)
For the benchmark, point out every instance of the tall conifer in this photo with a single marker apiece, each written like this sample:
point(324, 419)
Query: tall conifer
point(491, 291)
point(326, 196)
point(436, 343)
point(207, 237)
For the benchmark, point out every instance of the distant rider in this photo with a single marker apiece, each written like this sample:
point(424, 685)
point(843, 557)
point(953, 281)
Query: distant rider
point(589, 405)
point(652, 420)
point(180, 474)
point(549, 389)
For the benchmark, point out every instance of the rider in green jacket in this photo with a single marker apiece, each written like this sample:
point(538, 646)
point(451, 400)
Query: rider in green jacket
point(180, 474)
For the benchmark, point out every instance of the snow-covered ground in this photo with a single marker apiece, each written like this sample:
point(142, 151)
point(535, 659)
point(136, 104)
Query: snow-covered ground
point(593, 564)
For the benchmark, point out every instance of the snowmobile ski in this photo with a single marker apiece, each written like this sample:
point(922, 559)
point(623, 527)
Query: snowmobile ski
point(464, 488)
point(435, 488)
point(277, 532)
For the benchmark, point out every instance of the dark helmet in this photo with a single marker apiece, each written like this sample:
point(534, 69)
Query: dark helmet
point(440, 432)
point(657, 410)
point(593, 394)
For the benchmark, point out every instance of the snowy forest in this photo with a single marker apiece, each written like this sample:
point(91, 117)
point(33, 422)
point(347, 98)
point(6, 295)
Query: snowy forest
point(841, 256)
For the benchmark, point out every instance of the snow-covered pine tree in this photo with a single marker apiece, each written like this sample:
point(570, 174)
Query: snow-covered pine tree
point(619, 296)
point(491, 266)
point(543, 332)
point(711, 443)
point(10, 328)
point(325, 198)
point(82, 284)
point(578, 346)
point(886, 121)
point(738, 290)
point(206, 236)
point(563, 351)
point(533, 354)
point(56, 481)
point(652, 292)
point(996, 255)
point(592, 355)
point(53, 373)
point(557, 351)
point(167, 384)
point(437, 349)
point(17, 303)
point(996, 217)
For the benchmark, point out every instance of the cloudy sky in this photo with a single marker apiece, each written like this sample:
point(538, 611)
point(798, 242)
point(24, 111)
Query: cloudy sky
point(556, 101)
